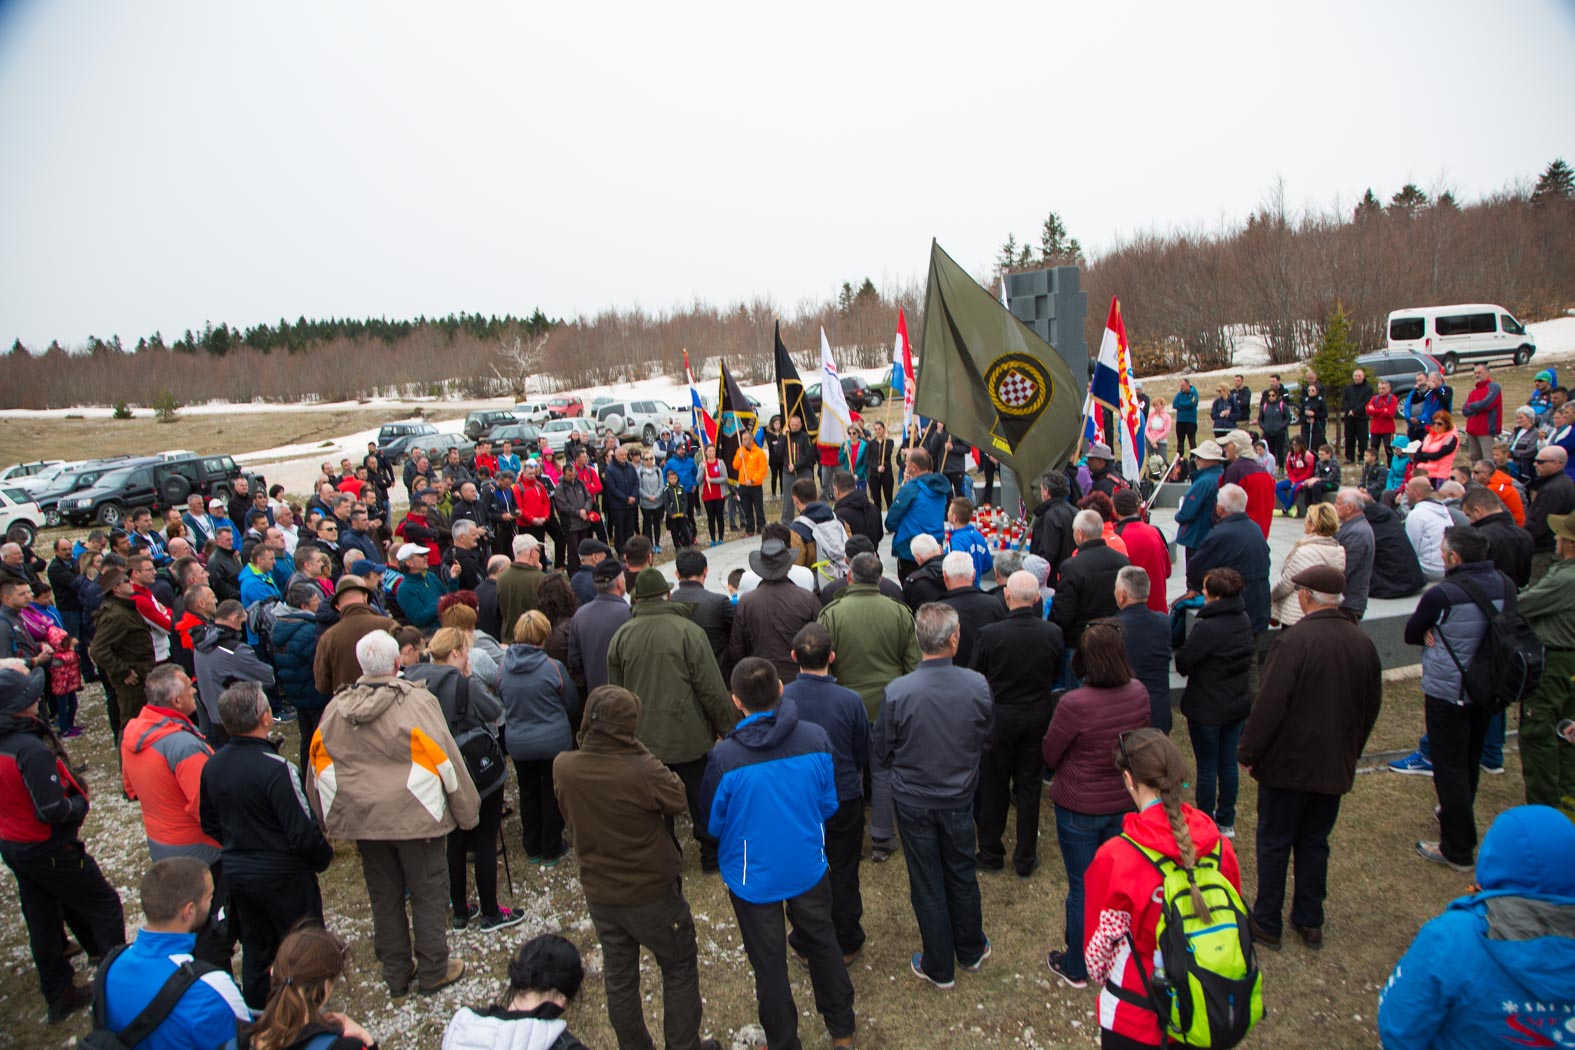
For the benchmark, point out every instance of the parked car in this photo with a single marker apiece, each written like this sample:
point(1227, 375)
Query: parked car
point(565, 405)
point(478, 423)
point(1397, 366)
point(157, 484)
point(858, 393)
point(534, 412)
point(1452, 334)
point(20, 517)
point(18, 471)
point(395, 440)
point(638, 420)
point(523, 435)
point(72, 477)
point(556, 431)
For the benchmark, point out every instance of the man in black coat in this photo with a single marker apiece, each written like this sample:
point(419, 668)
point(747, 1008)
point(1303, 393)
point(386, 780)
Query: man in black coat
point(1353, 415)
point(1052, 529)
point(1552, 492)
point(713, 613)
point(1087, 587)
point(1322, 688)
point(1237, 542)
point(974, 607)
point(854, 509)
point(1509, 545)
point(1019, 656)
point(924, 584)
point(1147, 637)
point(1396, 572)
point(859, 545)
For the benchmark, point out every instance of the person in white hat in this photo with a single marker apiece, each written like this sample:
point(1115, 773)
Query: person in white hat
point(1195, 516)
point(416, 592)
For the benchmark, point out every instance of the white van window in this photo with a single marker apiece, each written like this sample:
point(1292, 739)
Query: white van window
point(1405, 329)
point(1466, 324)
point(1512, 326)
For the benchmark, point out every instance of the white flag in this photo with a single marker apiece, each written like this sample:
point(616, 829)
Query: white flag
point(834, 416)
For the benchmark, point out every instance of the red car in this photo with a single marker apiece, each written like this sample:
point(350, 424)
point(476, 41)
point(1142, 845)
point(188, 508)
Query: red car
point(561, 407)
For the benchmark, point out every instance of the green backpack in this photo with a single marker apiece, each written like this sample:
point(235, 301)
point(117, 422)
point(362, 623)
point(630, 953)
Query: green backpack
point(1206, 986)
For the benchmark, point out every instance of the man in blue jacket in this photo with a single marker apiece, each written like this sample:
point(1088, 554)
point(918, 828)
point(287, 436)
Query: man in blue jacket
point(621, 493)
point(840, 712)
point(1497, 968)
point(920, 506)
point(1195, 516)
point(769, 789)
point(176, 895)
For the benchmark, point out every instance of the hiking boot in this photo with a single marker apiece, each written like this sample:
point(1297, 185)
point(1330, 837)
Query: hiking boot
point(974, 966)
point(1269, 940)
point(73, 949)
point(880, 852)
point(1312, 936)
point(918, 971)
point(456, 970)
point(1429, 851)
point(69, 1002)
point(504, 918)
point(1413, 764)
point(1057, 963)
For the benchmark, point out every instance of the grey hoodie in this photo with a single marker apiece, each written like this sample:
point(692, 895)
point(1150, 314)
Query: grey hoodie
point(222, 659)
point(539, 703)
point(653, 490)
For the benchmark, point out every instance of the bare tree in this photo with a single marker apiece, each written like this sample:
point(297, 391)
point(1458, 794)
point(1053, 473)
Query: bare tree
point(521, 358)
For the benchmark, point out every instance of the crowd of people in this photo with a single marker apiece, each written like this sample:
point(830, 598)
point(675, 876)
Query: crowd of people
point(789, 710)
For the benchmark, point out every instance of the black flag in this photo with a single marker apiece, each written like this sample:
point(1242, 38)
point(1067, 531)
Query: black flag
point(734, 414)
point(990, 378)
point(790, 390)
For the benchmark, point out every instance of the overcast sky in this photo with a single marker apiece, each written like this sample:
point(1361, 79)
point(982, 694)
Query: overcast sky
point(170, 163)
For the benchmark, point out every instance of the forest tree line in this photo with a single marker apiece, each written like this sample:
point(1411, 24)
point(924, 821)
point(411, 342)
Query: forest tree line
point(1186, 296)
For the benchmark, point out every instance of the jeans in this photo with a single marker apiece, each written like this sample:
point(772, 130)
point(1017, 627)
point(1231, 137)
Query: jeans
point(761, 928)
point(666, 928)
point(1290, 822)
point(1215, 749)
point(1080, 836)
point(1287, 491)
point(943, 884)
point(1456, 734)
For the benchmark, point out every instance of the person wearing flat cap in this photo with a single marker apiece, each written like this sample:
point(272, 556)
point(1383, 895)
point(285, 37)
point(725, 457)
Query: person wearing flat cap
point(1318, 699)
point(40, 841)
point(663, 657)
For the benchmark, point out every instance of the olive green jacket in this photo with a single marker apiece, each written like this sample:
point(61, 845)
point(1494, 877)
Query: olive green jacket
point(664, 658)
point(873, 639)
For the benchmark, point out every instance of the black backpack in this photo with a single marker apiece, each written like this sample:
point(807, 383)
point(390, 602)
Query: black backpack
point(1510, 659)
point(102, 1037)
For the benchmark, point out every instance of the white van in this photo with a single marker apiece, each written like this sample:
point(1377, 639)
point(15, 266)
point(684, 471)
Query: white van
point(1452, 334)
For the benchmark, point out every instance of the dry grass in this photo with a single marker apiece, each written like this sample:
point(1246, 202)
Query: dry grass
point(1380, 895)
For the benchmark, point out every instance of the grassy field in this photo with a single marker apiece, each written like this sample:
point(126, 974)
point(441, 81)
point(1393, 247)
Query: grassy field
point(1380, 893)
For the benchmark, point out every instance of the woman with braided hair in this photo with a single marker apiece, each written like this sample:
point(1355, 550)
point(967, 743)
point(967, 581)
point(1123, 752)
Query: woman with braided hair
point(1123, 887)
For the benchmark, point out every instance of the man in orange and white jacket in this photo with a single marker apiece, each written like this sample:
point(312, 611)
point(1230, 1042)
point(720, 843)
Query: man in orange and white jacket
point(387, 773)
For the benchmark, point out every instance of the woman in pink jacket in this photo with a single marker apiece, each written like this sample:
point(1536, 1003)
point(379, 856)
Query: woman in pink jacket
point(1158, 428)
point(1437, 453)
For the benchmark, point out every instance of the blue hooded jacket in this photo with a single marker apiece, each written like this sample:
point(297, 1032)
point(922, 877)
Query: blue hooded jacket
point(205, 1016)
point(768, 791)
point(920, 506)
point(1195, 516)
point(684, 466)
point(1496, 968)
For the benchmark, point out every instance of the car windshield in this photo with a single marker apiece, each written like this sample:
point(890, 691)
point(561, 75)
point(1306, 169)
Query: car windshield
point(113, 478)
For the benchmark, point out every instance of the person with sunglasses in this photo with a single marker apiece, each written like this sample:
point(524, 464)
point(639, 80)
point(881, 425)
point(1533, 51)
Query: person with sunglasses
point(1091, 801)
point(1436, 456)
point(1552, 492)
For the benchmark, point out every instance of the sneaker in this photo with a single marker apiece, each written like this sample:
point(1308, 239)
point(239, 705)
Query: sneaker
point(1057, 963)
point(1228, 830)
point(974, 966)
point(287, 715)
point(72, 733)
point(462, 919)
point(918, 971)
point(1413, 763)
point(456, 970)
point(505, 918)
point(551, 862)
point(1429, 851)
point(1494, 771)
point(73, 999)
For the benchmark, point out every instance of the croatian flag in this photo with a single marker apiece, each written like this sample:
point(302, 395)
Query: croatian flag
point(902, 384)
point(701, 421)
point(1115, 388)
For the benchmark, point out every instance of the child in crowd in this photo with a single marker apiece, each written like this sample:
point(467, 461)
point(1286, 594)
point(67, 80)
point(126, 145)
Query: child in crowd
point(969, 540)
point(679, 524)
point(1265, 458)
point(734, 578)
point(1373, 474)
point(1326, 476)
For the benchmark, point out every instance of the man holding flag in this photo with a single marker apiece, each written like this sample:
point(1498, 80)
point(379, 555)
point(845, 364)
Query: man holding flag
point(798, 449)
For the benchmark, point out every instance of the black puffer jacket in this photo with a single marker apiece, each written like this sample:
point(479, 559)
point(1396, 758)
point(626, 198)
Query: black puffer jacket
point(1216, 659)
point(252, 804)
point(1052, 533)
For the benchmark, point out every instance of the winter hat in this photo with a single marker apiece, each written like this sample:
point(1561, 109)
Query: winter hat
point(651, 584)
point(20, 690)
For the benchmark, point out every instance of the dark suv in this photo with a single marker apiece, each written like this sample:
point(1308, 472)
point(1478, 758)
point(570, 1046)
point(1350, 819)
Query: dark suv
point(395, 440)
point(156, 484)
point(1399, 367)
point(478, 424)
point(858, 393)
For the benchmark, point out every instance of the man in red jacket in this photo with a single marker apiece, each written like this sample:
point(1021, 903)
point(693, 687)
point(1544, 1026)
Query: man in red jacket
point(1382, 409)
point(1146, 547)
point(1484, 409)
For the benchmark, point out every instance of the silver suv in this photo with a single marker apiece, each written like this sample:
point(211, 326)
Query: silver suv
point(640, 419)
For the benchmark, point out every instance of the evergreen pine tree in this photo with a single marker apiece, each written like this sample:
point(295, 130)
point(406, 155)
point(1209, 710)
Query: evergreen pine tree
point(1025, 257)
point(1055, 247)
point(1008, 257)
point(1446, 202)
point(1408, 200)
point(845, 297)
point(17, 349)
point(1368, 207)
point(867, 293)
point(1335, 357)
point(1557, 182)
